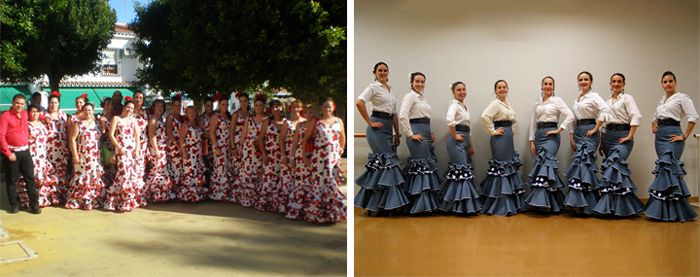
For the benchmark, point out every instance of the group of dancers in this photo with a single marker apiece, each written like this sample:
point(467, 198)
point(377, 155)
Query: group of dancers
point(594, 125)
point(130, 156)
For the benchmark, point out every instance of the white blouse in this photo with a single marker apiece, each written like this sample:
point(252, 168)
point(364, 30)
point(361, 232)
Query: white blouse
point(457, 114)
point(623, 111)
point(497, 110)
point(589, 106)
point(413, 105)
point(381, 99)
point(675, 107)
point(548, 111)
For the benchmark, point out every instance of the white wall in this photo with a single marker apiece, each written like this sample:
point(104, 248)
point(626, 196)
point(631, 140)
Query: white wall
point(480, 41)
point(129, 66)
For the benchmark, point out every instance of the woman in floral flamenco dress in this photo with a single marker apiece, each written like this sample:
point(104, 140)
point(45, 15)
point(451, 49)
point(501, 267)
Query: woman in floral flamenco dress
point(57, 142)
point(172, 128)
point(158, 183)
point(328, 204)
point(123, 195)
point(299, 195)
point(88, 175)
point(238, 120)
point(219, 132)
point(274, 190)
point(246, 183)
point(191, 148)
point(141, 117)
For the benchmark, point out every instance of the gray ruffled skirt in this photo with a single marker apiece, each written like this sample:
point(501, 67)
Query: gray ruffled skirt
point(458, 194)
point(582, 177)
point(380, 184)
point(502, 188)
point(545, 184)
point(668, 193)
point(422, 182)
point(617, 191)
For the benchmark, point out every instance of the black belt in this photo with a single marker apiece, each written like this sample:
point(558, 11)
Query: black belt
point(462, 128)
point(667, 122)
point(541, 125)
point(498, 124)
point(420, 120)
point(585, 121)
point(618, 127)
point(381, 115)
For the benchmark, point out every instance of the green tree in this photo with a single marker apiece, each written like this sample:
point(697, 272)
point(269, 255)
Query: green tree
point(66, 38)
point(16, 27)
point(229, 45)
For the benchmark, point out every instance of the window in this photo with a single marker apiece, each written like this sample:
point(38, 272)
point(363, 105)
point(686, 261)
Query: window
point(109, 70)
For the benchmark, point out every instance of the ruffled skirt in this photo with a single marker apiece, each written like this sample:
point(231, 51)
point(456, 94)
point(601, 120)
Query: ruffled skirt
point(422, 181)
point(668, 193)
point(582, 172)
point(546, 186)
point(503, 189)
point(458, 193)
point(380, 184)
point(617, 191)
point(85, 188)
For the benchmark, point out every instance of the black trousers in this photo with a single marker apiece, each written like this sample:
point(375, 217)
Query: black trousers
point(23, 166)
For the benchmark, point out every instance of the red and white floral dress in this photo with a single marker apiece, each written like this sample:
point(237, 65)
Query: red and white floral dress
point(240, 121)
point(286, 179)
point(220, 181)
point(88, 179)
point(328, 204)
point(158, 183)
point(268, 200)
point(142, 124)
point(106, 145)
point(57, 151)
point(192, 179)
point(44, 173)
point(174, 154)
point(245, 186)
point(300, 196)
point(124, 194)
point(208, 154)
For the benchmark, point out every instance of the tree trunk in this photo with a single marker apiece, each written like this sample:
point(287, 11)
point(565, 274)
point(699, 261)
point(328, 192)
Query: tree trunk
point(54, 80)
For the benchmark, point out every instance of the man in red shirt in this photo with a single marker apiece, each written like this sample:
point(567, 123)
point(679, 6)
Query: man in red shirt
point(14, 144)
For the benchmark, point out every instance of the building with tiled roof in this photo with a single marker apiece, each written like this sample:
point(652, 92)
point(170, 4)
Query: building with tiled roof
point(117, 71)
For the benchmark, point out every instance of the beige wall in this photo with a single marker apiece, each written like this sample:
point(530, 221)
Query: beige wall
point(522, 41)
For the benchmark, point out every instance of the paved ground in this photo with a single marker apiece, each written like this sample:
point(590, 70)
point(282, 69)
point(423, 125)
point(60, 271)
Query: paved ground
point(173, 239)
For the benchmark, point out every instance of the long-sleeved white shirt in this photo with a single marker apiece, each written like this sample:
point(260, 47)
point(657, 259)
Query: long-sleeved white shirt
point(413, 105)
point(589, 106)
point(624, 110)
point(549, 111)
point(675, 107)
point(497, 110)
point(381, 99)
point(457, 114)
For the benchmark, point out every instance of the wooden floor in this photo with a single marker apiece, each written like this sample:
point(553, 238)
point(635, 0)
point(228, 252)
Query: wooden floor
point(527, 244)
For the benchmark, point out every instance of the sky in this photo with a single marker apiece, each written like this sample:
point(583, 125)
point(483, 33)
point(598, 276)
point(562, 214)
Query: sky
point(125, 9)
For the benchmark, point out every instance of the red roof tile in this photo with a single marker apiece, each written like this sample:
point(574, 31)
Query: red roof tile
point(122, 28)
point(95, 84)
